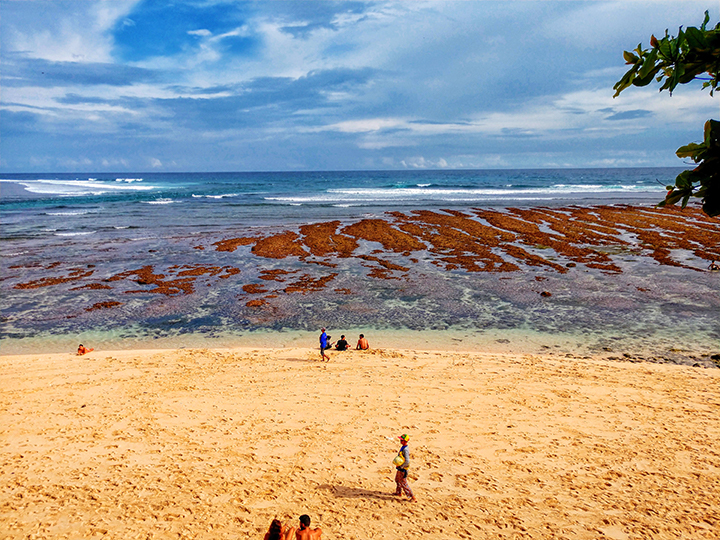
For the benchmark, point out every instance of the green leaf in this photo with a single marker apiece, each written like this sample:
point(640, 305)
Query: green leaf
point(711, 132)
point(682, 181)
point(690, 150)
point(695, 38)
point(666, 50)
point(647, 79)
point(625, 82)
point(673, 198)
point(630, 58)
point(705, 21)
point(648, 64)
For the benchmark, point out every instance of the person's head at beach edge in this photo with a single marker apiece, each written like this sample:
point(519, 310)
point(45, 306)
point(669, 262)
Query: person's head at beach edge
point(404, 438)
point(305, 532)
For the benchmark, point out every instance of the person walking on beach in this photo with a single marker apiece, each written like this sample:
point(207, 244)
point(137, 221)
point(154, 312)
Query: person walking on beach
point(362, 344)
point(323, 345)
point(305, 532)
point(402, 462)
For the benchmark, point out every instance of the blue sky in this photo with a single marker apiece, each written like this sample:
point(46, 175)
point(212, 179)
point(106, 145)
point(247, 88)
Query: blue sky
point(214, 85)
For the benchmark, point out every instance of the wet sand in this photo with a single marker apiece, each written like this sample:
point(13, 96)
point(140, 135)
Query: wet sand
point(215, 443)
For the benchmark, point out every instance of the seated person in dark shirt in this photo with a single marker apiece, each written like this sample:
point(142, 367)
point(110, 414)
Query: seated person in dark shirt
point(341, 345)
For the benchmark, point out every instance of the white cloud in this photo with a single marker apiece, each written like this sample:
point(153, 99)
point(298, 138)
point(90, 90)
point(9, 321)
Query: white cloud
point(201, 33)
point(420, 162)
point(155, 163)
point(624, 24)
point(366, 125)
point(79, 35)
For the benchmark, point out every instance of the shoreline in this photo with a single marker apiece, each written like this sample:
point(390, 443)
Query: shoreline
point(452, 341)
point(214, 443)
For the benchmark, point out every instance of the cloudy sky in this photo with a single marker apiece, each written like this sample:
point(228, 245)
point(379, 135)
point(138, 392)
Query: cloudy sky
point(219, 85)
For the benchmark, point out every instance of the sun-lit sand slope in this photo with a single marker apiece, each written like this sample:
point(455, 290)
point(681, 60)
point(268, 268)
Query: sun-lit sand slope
point(214, 444)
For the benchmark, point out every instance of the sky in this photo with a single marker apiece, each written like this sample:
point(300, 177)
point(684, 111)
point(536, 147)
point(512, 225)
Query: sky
point(219, 85)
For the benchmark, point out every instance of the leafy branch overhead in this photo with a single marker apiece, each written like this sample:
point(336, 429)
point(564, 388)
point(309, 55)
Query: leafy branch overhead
point(693, 55)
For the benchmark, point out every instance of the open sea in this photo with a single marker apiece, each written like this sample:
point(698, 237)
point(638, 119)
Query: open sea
point(96, 226)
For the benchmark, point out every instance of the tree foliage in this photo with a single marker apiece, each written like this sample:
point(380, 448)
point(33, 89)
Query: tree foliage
point(693, 54)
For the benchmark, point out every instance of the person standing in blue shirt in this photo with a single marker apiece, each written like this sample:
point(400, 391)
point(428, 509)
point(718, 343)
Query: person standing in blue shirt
point(324, 345)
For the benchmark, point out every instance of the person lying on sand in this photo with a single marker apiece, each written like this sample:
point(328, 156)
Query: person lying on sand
point(305, 532)
point(362, 344)
point(278, 531)
point(83, 350)
point(342, 344)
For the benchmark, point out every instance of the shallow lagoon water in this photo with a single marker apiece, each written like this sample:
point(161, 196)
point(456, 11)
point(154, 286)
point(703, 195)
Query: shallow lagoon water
point(648, 307)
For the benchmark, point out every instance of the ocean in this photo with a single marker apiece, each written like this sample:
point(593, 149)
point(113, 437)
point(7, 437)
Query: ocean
point(77, 250)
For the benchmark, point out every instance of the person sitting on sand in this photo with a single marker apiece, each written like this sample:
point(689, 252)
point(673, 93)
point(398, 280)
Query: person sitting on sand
point(305, 532)
point(342, 345)
point(278, 531)
point(362, 344)
point(324, 345)
point(83, 350)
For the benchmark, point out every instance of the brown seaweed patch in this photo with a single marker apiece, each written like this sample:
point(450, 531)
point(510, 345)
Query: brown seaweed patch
point(254, 288)
point(103, 305)
point(74, 275)
point(323, 263)
point(464, 242)
point(200, 271)
point(571, 227)
point(275, 275)
point(229, 271)
point(145, 276)
point(663, 230)
point(532, 260)
point(231, 244)
point(258, 302)
point(92, 286)
point(458, 221)
point(343, 291)
point(279, 246)
point(384, 264)
point(487, 262)
point(378, 230)
point(29, 265)
point(322, 240)
point(380, 273)
point(529, 233)
point(306, 283)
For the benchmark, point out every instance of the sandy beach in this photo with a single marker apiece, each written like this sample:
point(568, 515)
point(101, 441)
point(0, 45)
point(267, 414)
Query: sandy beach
point(215, 443)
